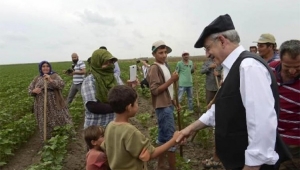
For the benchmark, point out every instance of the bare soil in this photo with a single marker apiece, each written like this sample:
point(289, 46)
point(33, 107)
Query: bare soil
point(27, 154)
point(77, 150)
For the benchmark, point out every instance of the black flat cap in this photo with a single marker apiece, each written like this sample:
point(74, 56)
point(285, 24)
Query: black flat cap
point(220, 24)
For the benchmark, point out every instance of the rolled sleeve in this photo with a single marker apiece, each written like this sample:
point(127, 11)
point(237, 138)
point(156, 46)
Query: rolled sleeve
point(260, 113)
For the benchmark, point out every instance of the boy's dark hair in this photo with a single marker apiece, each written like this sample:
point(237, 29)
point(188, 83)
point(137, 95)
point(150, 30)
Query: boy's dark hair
point(93, 133)
point(253, 47)
point(119, 97)
point(160, 47)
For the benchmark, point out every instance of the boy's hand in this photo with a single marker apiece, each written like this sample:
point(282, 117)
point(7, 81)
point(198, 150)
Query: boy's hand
point(174, 76)
point(175, 136)
point(133, 83)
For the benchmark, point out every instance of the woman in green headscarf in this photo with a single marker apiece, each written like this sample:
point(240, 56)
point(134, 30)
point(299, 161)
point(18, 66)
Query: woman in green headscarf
point(102, 68)
point(95, 89)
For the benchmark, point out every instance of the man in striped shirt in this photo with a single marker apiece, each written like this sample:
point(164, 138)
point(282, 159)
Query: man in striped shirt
point(287, 72)
point(78, 77)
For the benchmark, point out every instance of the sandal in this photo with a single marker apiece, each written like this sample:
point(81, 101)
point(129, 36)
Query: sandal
point(211, 163)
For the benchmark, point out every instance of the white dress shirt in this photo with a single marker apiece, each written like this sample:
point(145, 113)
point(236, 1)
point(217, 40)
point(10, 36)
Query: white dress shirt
point(258, 100)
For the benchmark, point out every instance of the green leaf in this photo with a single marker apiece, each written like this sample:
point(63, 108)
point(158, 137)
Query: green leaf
point(2, 163)
point(7, 151)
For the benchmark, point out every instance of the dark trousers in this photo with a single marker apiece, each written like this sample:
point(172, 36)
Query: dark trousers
point(210, 95)
point(144, 83)
point(73, 91)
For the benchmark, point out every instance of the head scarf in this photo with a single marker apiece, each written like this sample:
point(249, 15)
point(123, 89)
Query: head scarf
point(40, 68)
point(104, 77)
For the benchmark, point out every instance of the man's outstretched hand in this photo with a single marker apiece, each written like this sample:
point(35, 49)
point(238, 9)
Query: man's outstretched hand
point(183, 135)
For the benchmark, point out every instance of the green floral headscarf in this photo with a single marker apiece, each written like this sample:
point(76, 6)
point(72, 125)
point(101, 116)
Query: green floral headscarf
point(104, 77)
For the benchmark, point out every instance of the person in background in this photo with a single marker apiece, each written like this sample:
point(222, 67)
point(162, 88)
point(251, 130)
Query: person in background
point(126, 147)
point(212, 71)
point(78, 75)
point(253, 49)
point(287, 72)
point(145, 68)
point(57, 111)
point(95, 158)
point(244, 137)
point(117, 74)
point(185, 68)
point(266, 47)
point(162, 93)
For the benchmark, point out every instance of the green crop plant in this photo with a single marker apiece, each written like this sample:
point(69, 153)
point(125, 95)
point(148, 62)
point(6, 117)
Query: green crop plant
point(153, 131)
point(143, 118)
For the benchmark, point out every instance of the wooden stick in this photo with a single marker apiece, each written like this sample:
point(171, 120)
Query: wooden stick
point(197, 96)
point(178, 112)
point(45, 110)
point(217, 81)
point(209, 105)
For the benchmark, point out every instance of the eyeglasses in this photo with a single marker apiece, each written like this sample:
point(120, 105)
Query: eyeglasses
point(207, 48)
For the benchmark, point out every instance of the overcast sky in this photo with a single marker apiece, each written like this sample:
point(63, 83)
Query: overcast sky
point(36, 30)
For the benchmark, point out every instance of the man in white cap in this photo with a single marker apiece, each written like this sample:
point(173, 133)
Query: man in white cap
point(266, 47)
point(185, 68)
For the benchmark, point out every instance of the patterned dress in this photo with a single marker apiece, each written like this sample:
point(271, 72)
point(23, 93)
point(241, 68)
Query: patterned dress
point(57, 112)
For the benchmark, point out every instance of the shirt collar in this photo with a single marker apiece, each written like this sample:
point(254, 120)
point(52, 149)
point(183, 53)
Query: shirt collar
point(230, 59)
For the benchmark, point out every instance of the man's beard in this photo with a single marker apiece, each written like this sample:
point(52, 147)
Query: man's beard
point(75, 61)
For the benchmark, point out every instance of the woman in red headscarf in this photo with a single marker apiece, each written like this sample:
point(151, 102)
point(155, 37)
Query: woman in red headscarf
point(57, 112)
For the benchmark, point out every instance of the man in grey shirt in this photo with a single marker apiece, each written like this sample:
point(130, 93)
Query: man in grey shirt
point(211, 70)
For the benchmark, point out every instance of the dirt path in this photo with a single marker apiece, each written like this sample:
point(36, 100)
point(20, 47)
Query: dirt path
point(77, 150)
point(26, 155)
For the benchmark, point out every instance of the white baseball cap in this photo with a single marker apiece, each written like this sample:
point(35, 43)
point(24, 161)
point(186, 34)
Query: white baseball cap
point(159, 43)
point(185, 52)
